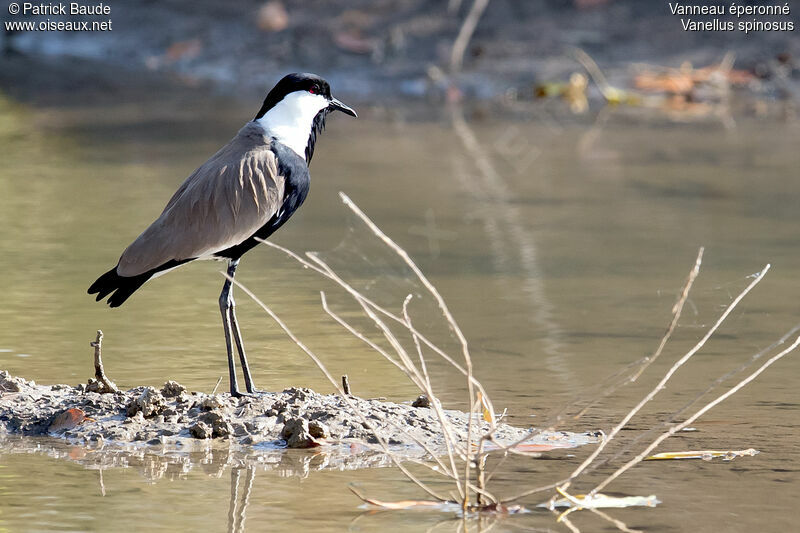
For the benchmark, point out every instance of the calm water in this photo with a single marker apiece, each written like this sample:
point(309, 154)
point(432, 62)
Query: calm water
point(561, 261)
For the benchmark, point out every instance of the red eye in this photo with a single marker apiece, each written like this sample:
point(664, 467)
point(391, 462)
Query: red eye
point(313, 90)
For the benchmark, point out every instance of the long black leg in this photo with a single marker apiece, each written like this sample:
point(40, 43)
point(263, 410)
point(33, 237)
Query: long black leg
point(224, 307)
point(237, 335)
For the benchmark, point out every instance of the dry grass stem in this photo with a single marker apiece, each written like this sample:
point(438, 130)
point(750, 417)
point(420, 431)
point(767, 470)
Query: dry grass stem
point(417, 344)
point(677, 309)
point(322, 268)
point(350, 402)
point(465, 34)
point(216, 386)
point(405, 365)
point(331, 275)
point(445, 312)
point(660, 386)
point(470, 477)
point(353, 331)
point(755, 357)
point(645, 362)
point(674, 429)
point(619, 524)
point(446, 427)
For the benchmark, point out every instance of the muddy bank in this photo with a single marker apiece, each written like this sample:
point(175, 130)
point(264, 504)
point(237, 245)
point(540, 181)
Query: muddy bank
point(173, 419)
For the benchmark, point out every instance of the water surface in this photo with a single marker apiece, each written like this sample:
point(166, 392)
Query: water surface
point(560, 253)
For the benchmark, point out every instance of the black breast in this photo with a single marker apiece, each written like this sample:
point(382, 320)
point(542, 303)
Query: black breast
point(295, 171)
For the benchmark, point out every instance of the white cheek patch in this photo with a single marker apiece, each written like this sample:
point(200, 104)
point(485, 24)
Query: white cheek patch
point(291, 119)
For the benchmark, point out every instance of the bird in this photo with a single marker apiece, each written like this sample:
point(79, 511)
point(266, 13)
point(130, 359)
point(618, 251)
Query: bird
point(241, 195)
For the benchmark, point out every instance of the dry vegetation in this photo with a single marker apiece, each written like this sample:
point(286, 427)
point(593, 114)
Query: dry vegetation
point(472, 458)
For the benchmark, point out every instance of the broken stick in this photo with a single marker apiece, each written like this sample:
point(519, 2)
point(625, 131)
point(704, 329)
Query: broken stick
point(104, 384)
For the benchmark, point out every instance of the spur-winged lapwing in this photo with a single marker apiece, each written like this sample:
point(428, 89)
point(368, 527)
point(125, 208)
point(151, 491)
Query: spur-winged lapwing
point(246, 191)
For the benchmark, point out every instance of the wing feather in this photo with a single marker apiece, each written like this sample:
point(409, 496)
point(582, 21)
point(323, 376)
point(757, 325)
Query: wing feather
point(219, 205)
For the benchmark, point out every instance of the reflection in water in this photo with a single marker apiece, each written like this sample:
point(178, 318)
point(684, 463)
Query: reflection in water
point(238, 507)
point(493, 199)
point(155, 463)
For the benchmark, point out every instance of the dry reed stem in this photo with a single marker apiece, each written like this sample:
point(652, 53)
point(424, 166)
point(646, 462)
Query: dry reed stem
point(353, 331)
point(445, 312)
point(338, 388)
point(424, 386)
point(753, 358)
point(564, 520)
point(529, 492)
point(325, 270)
point(677, 309)
point(331, 275)
point(645, 362)
point(660, 386)
point(616, 381)
point(465, 34)
point(698, 414)
point(411, 371)
point(594, 71)
point(417, 345)
point(714, 385)
point(446, 429)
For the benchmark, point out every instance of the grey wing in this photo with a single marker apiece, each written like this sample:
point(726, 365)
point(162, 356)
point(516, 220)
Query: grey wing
point(221, 204)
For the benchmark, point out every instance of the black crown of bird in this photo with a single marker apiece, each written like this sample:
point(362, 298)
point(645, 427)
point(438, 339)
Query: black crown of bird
point(244, 192)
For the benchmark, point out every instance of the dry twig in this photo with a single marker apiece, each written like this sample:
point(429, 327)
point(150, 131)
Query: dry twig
point(103, 383)
point(465, 34)
point(348, 399)
point(674, 429)
point(661, 384)
point(474, 454)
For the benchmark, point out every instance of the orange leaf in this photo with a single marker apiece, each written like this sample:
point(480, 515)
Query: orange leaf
point(68, 420)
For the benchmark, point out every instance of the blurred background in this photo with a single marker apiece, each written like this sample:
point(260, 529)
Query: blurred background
point(553, 166)
point(390, 51)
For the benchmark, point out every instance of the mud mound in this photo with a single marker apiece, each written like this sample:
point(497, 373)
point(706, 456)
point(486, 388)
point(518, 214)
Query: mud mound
point(175, 417)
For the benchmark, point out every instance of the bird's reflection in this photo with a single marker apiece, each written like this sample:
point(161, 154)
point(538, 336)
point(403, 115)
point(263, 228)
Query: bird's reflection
point(240, 496)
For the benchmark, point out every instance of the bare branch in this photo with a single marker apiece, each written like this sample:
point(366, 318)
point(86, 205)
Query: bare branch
point(103, 383)
point(338, 388)
point(691, 419)
point(660, 386)
point(465, 34)
point(445, 311)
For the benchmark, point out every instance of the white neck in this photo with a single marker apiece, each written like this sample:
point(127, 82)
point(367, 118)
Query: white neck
point(290, 120)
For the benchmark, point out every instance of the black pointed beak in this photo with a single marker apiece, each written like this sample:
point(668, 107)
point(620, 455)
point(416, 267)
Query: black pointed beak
point(337, 105)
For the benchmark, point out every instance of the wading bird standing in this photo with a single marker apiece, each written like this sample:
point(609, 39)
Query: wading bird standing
point(246, 191)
